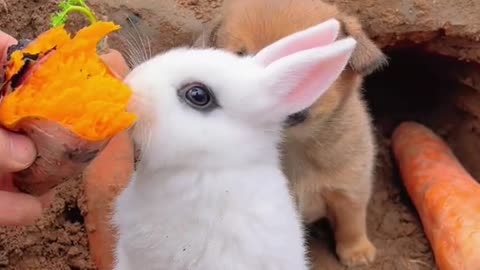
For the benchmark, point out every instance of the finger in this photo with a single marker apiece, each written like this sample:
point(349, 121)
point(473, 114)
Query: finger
point(18, 209)
point(5, 42)
point(6, 183)
point(47, 199)
point(17, 152)
point(116, 62)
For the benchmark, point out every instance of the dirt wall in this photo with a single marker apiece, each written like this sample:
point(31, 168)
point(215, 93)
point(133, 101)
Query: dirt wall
point(444, 27)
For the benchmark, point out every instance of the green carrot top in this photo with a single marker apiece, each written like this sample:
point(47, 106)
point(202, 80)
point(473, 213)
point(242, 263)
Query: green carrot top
point(67, 6)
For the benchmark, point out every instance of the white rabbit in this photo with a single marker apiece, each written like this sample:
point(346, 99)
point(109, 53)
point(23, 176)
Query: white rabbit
point(208, 192)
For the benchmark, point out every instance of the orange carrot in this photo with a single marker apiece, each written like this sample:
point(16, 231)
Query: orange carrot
point(104, 179)
point(446, 197)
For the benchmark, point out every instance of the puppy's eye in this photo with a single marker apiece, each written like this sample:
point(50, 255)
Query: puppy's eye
point(198, 96)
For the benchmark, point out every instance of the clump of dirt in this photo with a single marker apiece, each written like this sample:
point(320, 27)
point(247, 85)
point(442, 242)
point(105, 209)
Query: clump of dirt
point(26, 19)
point(58, 241)
point(202, 8)
point(416, 86)
point(451, 28)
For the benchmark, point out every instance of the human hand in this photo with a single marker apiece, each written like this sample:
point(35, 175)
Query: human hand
point(18, 152)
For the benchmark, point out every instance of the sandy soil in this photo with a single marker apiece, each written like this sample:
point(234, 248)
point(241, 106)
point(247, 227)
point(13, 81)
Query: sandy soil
point(59, 240)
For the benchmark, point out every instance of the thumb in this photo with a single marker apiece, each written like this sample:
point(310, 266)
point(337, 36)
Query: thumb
point(18, 209)
point(17, 152)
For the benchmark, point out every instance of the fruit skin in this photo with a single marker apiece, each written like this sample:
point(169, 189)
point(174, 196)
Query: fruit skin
point(61, 155)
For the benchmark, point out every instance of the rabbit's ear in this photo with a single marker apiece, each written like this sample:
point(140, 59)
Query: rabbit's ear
point(315, 36)
point(296, 81)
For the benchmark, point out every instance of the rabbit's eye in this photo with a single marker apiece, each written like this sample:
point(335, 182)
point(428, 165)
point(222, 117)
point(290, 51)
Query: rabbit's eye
point(198, 96)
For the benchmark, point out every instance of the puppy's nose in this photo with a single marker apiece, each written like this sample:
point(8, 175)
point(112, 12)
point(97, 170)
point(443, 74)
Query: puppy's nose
point(297, 118)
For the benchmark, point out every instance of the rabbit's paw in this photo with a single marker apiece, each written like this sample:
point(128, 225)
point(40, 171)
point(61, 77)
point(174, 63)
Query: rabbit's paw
point(357, 253)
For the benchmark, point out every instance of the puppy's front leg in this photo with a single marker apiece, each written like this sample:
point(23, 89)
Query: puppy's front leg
point(348, 217)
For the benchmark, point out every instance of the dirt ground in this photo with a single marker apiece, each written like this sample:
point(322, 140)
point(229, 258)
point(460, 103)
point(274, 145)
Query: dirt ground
point(412, 88)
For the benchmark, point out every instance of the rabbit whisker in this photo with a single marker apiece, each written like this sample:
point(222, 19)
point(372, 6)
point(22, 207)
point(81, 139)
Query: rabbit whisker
point(137, 45)
point(144, 41)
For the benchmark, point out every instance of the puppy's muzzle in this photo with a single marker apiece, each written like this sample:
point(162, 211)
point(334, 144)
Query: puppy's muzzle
point(297, 118)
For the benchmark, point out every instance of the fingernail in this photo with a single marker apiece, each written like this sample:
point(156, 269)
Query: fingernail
point(22, 150)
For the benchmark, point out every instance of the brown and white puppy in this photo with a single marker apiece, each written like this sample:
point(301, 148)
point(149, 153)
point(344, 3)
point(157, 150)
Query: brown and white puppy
point(329, 152)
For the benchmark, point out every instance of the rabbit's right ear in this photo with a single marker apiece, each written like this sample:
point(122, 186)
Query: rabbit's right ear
point(294, 82)
point(300, 67)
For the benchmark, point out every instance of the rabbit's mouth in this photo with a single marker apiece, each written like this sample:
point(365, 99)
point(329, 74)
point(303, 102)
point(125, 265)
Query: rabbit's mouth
point(297, 118)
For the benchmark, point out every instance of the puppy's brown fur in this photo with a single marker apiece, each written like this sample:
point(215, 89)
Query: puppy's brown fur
point(329, 158)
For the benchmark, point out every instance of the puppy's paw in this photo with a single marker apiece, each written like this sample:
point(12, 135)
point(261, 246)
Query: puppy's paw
point(357, 253)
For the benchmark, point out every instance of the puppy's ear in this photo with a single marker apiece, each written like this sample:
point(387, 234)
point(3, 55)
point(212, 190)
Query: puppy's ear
point(208, 36)
point(367, 57)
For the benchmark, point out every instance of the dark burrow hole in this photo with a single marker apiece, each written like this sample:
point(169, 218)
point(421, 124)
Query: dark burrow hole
point(73, 214)
point(426, 88)
point(410, 88)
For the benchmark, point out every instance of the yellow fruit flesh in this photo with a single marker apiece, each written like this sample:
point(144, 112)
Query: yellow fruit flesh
point(72, 86)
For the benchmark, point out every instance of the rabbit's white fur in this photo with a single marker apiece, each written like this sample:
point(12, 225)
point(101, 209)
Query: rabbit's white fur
point(208, 193)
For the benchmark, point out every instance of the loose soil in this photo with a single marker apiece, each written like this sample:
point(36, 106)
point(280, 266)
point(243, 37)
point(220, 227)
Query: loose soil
point(414, 87)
